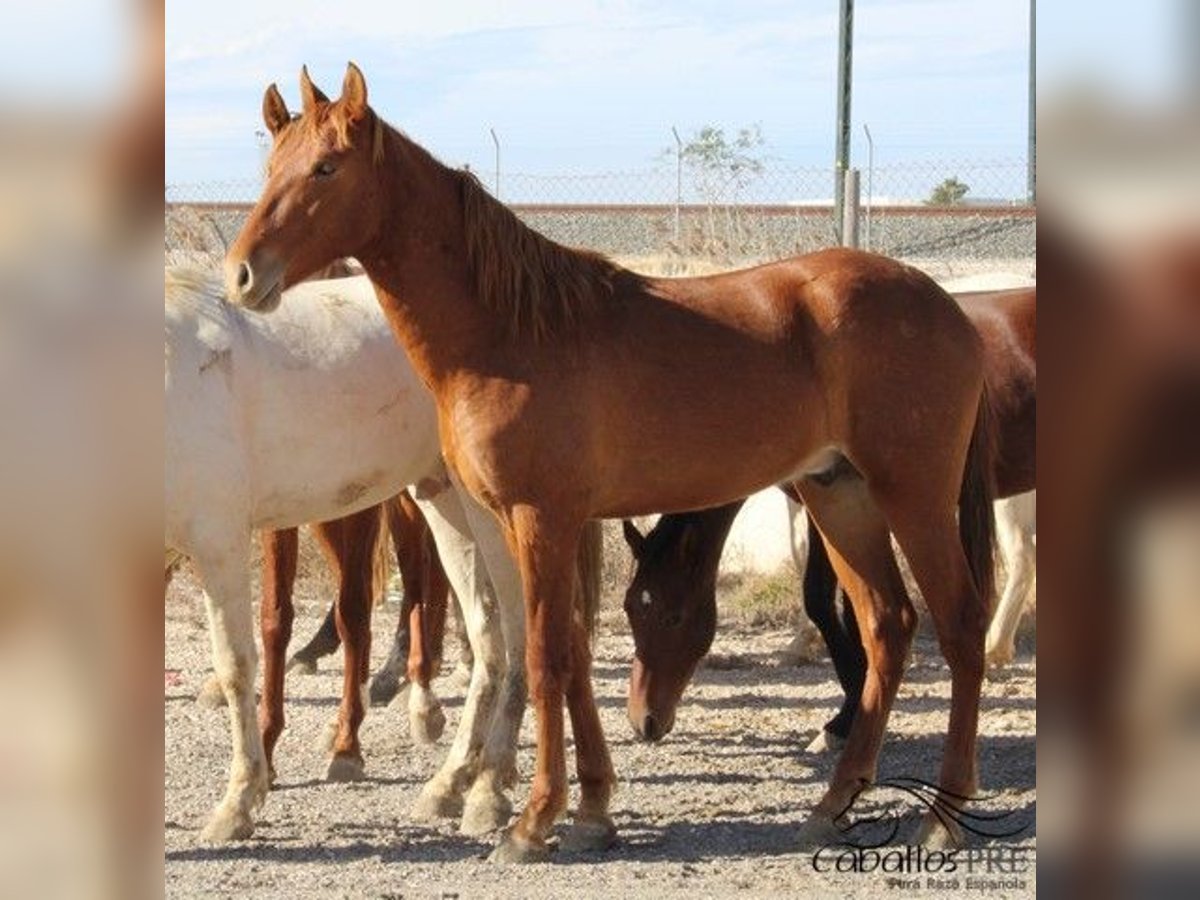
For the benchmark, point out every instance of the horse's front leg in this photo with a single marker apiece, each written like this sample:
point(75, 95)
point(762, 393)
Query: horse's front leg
point(224, 568)
point(546, 552)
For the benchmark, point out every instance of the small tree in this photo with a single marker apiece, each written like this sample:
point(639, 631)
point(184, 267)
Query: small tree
point(949, 193)
point(721, 168)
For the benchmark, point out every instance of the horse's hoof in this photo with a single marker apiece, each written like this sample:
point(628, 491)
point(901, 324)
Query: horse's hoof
point(345, 768)
point(210, 695)
point(513, 849)
point(998, 659)
point(426, 725)
point(433, 804)
point(302, 665)
point(485, 811)
point(819, 830)
point(825, 742)
point(227, 825)
point(586, 835)
point(936, 834)
point(384, 687)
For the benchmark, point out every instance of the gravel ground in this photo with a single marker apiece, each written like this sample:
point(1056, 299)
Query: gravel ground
point(712, 811)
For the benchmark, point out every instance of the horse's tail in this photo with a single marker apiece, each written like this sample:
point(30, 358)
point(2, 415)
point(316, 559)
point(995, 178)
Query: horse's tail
point(976, 521)
point(588, 564)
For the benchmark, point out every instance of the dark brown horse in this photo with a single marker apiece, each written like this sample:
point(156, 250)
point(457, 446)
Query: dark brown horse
point(671, 601)
point(571, 389)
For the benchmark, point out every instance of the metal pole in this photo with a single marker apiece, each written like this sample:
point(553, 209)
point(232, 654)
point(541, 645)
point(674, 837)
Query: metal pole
point(870, 181)
point(1031, 162)
point(842, 150)
point(496, 141)
point(678, 178)
point(850, 211)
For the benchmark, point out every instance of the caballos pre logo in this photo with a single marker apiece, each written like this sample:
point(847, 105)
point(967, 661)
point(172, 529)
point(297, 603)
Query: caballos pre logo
point(863, 848)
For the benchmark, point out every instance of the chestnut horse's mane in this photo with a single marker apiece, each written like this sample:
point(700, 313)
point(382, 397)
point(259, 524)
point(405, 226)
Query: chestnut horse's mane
point(541, 288)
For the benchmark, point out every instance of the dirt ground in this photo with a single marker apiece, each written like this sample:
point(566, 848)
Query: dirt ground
point(712, 811)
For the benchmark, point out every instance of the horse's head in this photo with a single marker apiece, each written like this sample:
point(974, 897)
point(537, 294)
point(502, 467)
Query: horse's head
point(317, 204)
point(672, 609)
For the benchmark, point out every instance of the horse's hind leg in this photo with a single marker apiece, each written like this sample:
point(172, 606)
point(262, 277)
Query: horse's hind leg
point(839, 628)
point(487, 806)
point(1015, 523)
point(442, 795)
point(323, 642)
point(386, 683)
point(353, 540)
point(225, 573)
point(860, 550)
point(933, 547)
point(280, 549)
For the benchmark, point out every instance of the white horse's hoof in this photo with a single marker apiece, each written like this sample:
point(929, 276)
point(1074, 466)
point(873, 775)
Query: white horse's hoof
point(512, 849)
point(999, 658)
point(936, 834)
point(433, 804)
point(211, 695)
point(426, 725)
point(588, 835)
point(301, 666)
point(227, 825)
point(345, 768)
point(825, 742)
point(484, 811)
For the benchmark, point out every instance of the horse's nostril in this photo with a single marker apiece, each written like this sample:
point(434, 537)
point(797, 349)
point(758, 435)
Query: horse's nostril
point(243, 276)
point(650, 730)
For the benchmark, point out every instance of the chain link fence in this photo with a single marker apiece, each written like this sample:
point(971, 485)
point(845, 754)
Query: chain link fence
point(671, 220)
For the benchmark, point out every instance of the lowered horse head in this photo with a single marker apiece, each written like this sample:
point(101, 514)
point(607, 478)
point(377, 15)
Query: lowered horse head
point(317, 205)
point(672, 610)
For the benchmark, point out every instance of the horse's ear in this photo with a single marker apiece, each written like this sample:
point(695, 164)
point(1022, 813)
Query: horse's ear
point(274, 110)
point(354, 93)
point(310, 94)
point(633, 537)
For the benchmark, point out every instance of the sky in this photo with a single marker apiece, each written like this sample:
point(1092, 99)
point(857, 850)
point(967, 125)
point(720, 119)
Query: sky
point(591, 86)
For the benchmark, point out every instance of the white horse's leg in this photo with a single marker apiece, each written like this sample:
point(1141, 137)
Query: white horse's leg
point(1016, 525)
point(466, 570)
point(488, 806)
point(803, 647)
point(226, 576)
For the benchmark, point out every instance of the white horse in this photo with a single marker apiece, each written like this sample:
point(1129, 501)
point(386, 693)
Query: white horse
point(308, 415)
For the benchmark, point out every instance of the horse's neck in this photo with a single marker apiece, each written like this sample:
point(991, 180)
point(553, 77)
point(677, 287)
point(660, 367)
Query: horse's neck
point(424, 281)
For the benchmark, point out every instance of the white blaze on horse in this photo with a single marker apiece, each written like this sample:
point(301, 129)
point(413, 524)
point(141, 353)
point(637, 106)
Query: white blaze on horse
point(306, 416)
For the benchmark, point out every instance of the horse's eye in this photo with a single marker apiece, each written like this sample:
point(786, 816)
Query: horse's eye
point(323, 169)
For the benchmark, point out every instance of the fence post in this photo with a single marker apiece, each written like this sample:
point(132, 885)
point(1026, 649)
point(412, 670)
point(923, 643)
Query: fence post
point(678, 179)
point(850, 209)
point(496, 141)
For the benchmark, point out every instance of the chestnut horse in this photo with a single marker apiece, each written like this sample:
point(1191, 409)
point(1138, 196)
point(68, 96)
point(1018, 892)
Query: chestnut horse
point(417, 643)
point(570, 389)
point(671, 601)
point(349, 545)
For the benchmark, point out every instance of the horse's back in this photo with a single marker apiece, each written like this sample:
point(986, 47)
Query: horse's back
point(318, 406)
